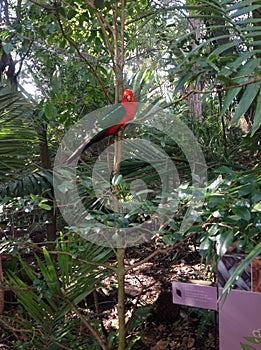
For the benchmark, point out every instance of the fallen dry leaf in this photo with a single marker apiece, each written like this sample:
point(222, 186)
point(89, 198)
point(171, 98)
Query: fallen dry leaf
point(160, 345)
point(191, 342)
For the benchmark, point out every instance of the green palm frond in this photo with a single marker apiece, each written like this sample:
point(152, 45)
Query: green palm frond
point(228, 54)
point(55, 286)
point(12, 104)
point(38, 182)
point(18, 138)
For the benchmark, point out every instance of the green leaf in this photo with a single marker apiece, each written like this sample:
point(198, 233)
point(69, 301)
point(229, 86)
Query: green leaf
point(50, 111)
point(217, 199)
point(138, 317)
point(253, 340)
point(257, 116)
point(247, 69)
point(245, 101)
point(182, 81)
point(256, 196)
point(117, 179)
point(205, 245)
point(38, 309)
point(243, 212)
point(224, 241)
point(244, 10)
point(45, 206)
point(8, 48)
point(247, 347)
point(34, 198)
point(245, 189)
point(49, 272)
point(257, 207)
point(222, 48)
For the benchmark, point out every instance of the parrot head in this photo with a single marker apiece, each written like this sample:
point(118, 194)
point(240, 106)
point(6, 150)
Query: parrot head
point(128, 96)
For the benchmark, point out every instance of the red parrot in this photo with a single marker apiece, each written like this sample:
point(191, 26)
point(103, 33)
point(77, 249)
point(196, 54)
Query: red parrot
point(112, 121)
point(120, 116)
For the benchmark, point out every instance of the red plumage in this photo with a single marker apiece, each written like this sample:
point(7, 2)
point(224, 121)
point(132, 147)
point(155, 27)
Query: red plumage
point(118, 118)
point(122, 114)
point(130, 110)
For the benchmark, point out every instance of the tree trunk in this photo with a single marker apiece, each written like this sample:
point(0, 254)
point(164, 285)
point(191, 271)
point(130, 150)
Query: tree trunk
point(46, 164)
point(195, 100)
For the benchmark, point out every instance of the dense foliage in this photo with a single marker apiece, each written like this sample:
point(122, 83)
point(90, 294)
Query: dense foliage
point(59, 61)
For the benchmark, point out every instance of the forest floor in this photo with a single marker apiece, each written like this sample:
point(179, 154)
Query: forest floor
point(171, 326)
point(149, 288)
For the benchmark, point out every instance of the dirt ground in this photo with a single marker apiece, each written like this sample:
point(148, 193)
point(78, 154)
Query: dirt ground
point(148, 287)
point(169, 326)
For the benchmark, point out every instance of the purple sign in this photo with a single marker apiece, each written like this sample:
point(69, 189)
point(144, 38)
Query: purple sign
point(239, 312)
point(197, 295)
point(240, 321)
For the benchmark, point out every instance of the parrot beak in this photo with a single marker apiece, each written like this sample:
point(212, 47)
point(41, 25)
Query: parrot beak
point(128, 98)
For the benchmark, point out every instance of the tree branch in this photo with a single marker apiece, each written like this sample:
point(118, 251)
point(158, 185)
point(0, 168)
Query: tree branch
point(23, 58)
point(103, 24)
point(71, 41)
point(116, 54)
point(6, 12)
point(48, 8)
point(18, 11)
point(122, 46)
point(103, 28)
point(203, 92)
point(92, 329)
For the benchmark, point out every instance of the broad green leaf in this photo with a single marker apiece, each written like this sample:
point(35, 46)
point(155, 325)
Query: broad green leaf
point(50, 111)
point(217, 200)
point(240, 78)
point(45, 206)
point(205, 246)
point(245, 101)
point(34, 198)
point(245, 189)
point(243, 212)
point(256, 196)
point(138, 317)
point(224, 241)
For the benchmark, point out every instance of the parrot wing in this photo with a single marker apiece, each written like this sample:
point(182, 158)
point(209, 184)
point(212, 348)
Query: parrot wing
point(106, 124)
point(113, 115)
